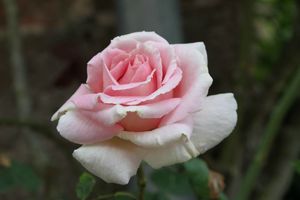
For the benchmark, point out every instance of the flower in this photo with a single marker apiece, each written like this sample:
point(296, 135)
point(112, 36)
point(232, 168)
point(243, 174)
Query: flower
point(144, 99)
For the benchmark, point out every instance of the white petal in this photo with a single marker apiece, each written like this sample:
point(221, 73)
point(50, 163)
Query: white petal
point(162, 136)
point(211, 125)
point(114, 161)
point(215, 122)
point(178, 152)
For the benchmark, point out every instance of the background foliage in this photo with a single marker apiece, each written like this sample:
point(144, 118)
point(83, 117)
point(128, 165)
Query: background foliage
point(254, 51)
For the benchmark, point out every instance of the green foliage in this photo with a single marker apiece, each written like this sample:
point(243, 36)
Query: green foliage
point(297, 166)
point(198, 174)
point(156, 196)
point(85, 185)
point(171, 181)
point(274, 20)
point(123, 196)
point(18, 175)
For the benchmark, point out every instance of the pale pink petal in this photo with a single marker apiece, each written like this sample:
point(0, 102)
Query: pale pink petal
point(107, 77)
point(211, 125)
point(194, 85)
point(133, 89)
point(154, 110)
point(68, 105)
point(79, 128)
point(152, 53)
point(94, 73)
point(199, 46)
point(161, 136)
point(191, 100)
point(114, 161)
point(169, 86)
point(124, 44)
point(142, 37)
point(119, 70)
point(112, 57)
point(141, 73)
point(133, 122)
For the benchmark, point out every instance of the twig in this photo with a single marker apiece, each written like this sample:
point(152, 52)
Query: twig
point(141, 182)
point(270, 133)
point(39, 128)
point(117, 194)
point(17, 61)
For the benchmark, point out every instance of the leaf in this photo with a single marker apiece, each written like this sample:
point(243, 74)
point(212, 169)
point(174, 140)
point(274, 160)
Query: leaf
point(156, 196)
point(19, 175)
point(85, 185)
point(198, 174)
point(171, 182)
point(297, 166)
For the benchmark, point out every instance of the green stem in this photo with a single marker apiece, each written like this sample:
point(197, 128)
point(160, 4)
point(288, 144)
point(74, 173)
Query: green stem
point(141, 182)
point(271, 130)
point(117, 194)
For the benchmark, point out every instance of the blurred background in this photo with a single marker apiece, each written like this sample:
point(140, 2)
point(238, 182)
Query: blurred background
point(253, 51)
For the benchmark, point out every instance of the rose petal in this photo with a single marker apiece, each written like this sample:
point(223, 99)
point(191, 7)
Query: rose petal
point(194, 85)
point(79, 128)
point(142, 37)
point(114, 161)
point(68, 105)
point(133, 89)
point(211, 125)
point(215, 122)
point(160, 136)
point(191, 100)
point(169, 86)
point(199, 46)
point(94, 72)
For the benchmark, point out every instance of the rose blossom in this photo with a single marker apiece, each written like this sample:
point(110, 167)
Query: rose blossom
point(144, 99)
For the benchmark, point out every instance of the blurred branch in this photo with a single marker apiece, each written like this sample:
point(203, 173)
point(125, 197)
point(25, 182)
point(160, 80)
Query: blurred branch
point(17, 61)
point(141, 182)
point(270, 133)
point(37, 127)
point(282, 166)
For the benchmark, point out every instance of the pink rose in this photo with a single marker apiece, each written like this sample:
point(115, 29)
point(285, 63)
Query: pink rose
point(144, 99)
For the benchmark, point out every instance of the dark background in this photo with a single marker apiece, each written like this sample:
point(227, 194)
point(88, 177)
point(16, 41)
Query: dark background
point(253, 51)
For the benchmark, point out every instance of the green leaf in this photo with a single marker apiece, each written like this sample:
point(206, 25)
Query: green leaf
point(297, 166)
point(198, 174)
point(171, 182)
point(156, 196)
point(85, 185)
point(223, 197)
point(19, 175)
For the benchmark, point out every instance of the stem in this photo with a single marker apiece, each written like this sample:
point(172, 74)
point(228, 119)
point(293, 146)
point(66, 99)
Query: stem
point(141, 182)
point(271, 130)
point(17, 60)
point(117, 194)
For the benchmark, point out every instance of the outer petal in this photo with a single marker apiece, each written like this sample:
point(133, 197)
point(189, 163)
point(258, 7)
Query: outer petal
point(211, 125)
point(198, 46)
point(194, 84)
point(191, 101)
point(114, 161)
point(80, 128)
point(215, 122)
point(162, 136)
point(142, 37)
point(82, 90)
point(94, 73)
